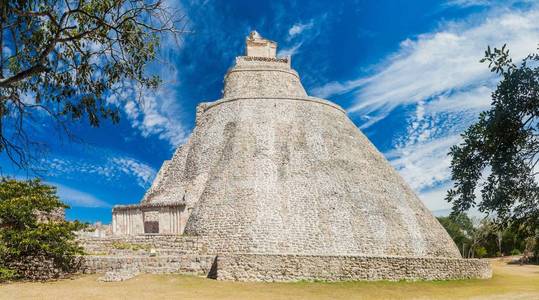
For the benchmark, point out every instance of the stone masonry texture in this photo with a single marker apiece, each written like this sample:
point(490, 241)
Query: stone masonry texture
point(264, 267)
point(272, 177)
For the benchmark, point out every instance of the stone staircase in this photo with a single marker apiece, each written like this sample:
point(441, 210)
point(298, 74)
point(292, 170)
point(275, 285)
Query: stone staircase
point(157, 254)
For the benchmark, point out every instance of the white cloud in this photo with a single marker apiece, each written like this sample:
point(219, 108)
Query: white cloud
point(158, 112)
point(158, 115)
point(439, 75)
point(104, 165)
point(431, 197)
point(144, 173)
point(437, 63)
point(78, 198)
point(425, 164)
point(301, 33)
point(6, 51)
point(298, 28)
point(473, 3)
point(289, 51)
point(476, 99)
point(468, 3)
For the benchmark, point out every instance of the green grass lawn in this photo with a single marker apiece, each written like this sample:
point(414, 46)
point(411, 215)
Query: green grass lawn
point(508, 282)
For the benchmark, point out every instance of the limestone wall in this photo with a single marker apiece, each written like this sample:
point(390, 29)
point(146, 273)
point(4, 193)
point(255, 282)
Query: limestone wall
point(264, 267)
point(172, 220)
point(296, 176)
point(175, 243)
point(39, 268)
point(129, 220)
point(186, 263)
point(262, 79)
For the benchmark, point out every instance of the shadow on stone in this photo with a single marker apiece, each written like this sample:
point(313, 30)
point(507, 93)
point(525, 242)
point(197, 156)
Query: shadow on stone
point(212, 274)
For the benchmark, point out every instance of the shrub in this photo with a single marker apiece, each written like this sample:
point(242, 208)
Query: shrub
point(515, 252)
point(32, 244)
point(480, 252)
point(129, 246)
point(7, 274)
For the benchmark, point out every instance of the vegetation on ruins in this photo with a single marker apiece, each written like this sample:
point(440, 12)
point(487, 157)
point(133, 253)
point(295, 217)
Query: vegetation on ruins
point(499, 154)
point(68, 59)
point(29, 237)
point(130, 246)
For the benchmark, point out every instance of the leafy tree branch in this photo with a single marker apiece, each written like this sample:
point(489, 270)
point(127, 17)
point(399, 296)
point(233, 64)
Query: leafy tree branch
point(66, 58)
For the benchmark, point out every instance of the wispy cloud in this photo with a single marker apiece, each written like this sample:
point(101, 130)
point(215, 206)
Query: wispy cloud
point(76, 198)
point(298, 28)
point(440, 62)
point(474, 3)
point(289, 51)
point(437, 79)
point(141, 171)
point(301, 33)
point(108, 167)
point(158, 112)
point(424, 164)
point(155, 113)
point(468, 3)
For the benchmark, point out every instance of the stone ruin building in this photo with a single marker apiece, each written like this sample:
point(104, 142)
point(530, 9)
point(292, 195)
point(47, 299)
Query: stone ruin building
point(277, 185)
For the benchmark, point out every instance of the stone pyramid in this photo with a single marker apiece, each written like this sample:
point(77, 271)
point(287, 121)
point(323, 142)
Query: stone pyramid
point(269, 169)
point(279, 185)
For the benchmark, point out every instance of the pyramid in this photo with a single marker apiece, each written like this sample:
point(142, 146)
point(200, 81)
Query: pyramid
point(272, 172)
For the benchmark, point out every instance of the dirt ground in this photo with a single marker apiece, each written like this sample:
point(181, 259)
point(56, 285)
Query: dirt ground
point(509, 282)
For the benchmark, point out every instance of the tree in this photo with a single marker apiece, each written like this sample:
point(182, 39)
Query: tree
point(499, 154)
point(30, 237)
point(65, 58)
point(460, 229)
point(483, 237)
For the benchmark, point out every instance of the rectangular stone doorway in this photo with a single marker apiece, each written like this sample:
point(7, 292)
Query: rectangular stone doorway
point(151, 227)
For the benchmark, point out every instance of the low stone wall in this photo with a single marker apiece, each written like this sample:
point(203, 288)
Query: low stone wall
point(264, 267)
point(188, 263)
point(111, 245)
point(40, 268)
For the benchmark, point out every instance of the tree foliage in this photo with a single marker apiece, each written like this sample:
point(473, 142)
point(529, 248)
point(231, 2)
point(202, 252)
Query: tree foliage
point(25, 233)
point(64, 58)
point(499, 154)
point(483, 237)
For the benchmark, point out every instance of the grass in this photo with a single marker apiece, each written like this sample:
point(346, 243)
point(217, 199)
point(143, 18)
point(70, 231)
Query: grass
point(129, 246)
point(508, 282)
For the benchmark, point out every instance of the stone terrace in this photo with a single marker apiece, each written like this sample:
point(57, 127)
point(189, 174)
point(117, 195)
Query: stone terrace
point(146, 254)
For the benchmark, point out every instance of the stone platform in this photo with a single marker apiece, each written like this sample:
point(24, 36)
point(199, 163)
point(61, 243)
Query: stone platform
point(165, 254)
point(282, 267)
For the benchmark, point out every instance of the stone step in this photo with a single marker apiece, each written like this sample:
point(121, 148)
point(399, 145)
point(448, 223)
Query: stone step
point(157, 252)
point(163, 270)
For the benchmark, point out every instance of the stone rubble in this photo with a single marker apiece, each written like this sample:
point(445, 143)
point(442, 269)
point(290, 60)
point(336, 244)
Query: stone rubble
point(119, 275)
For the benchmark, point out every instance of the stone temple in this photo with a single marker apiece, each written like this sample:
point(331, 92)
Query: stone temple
point(279, 185)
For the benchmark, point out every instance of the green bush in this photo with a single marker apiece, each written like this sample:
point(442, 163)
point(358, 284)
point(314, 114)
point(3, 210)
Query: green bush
point(28, 237)
point(7, 274)
point(129, 246)
point(515, 252)
point(480, 252)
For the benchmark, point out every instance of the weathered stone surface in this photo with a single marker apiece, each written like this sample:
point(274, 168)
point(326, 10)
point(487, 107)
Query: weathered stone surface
point(141, 244)
point(272, 171)
point(179, 263)
point(118, 275)
point(40, 268)
point(266, 267)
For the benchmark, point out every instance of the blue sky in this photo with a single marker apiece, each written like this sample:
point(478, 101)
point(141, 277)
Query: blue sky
point(407, 72)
